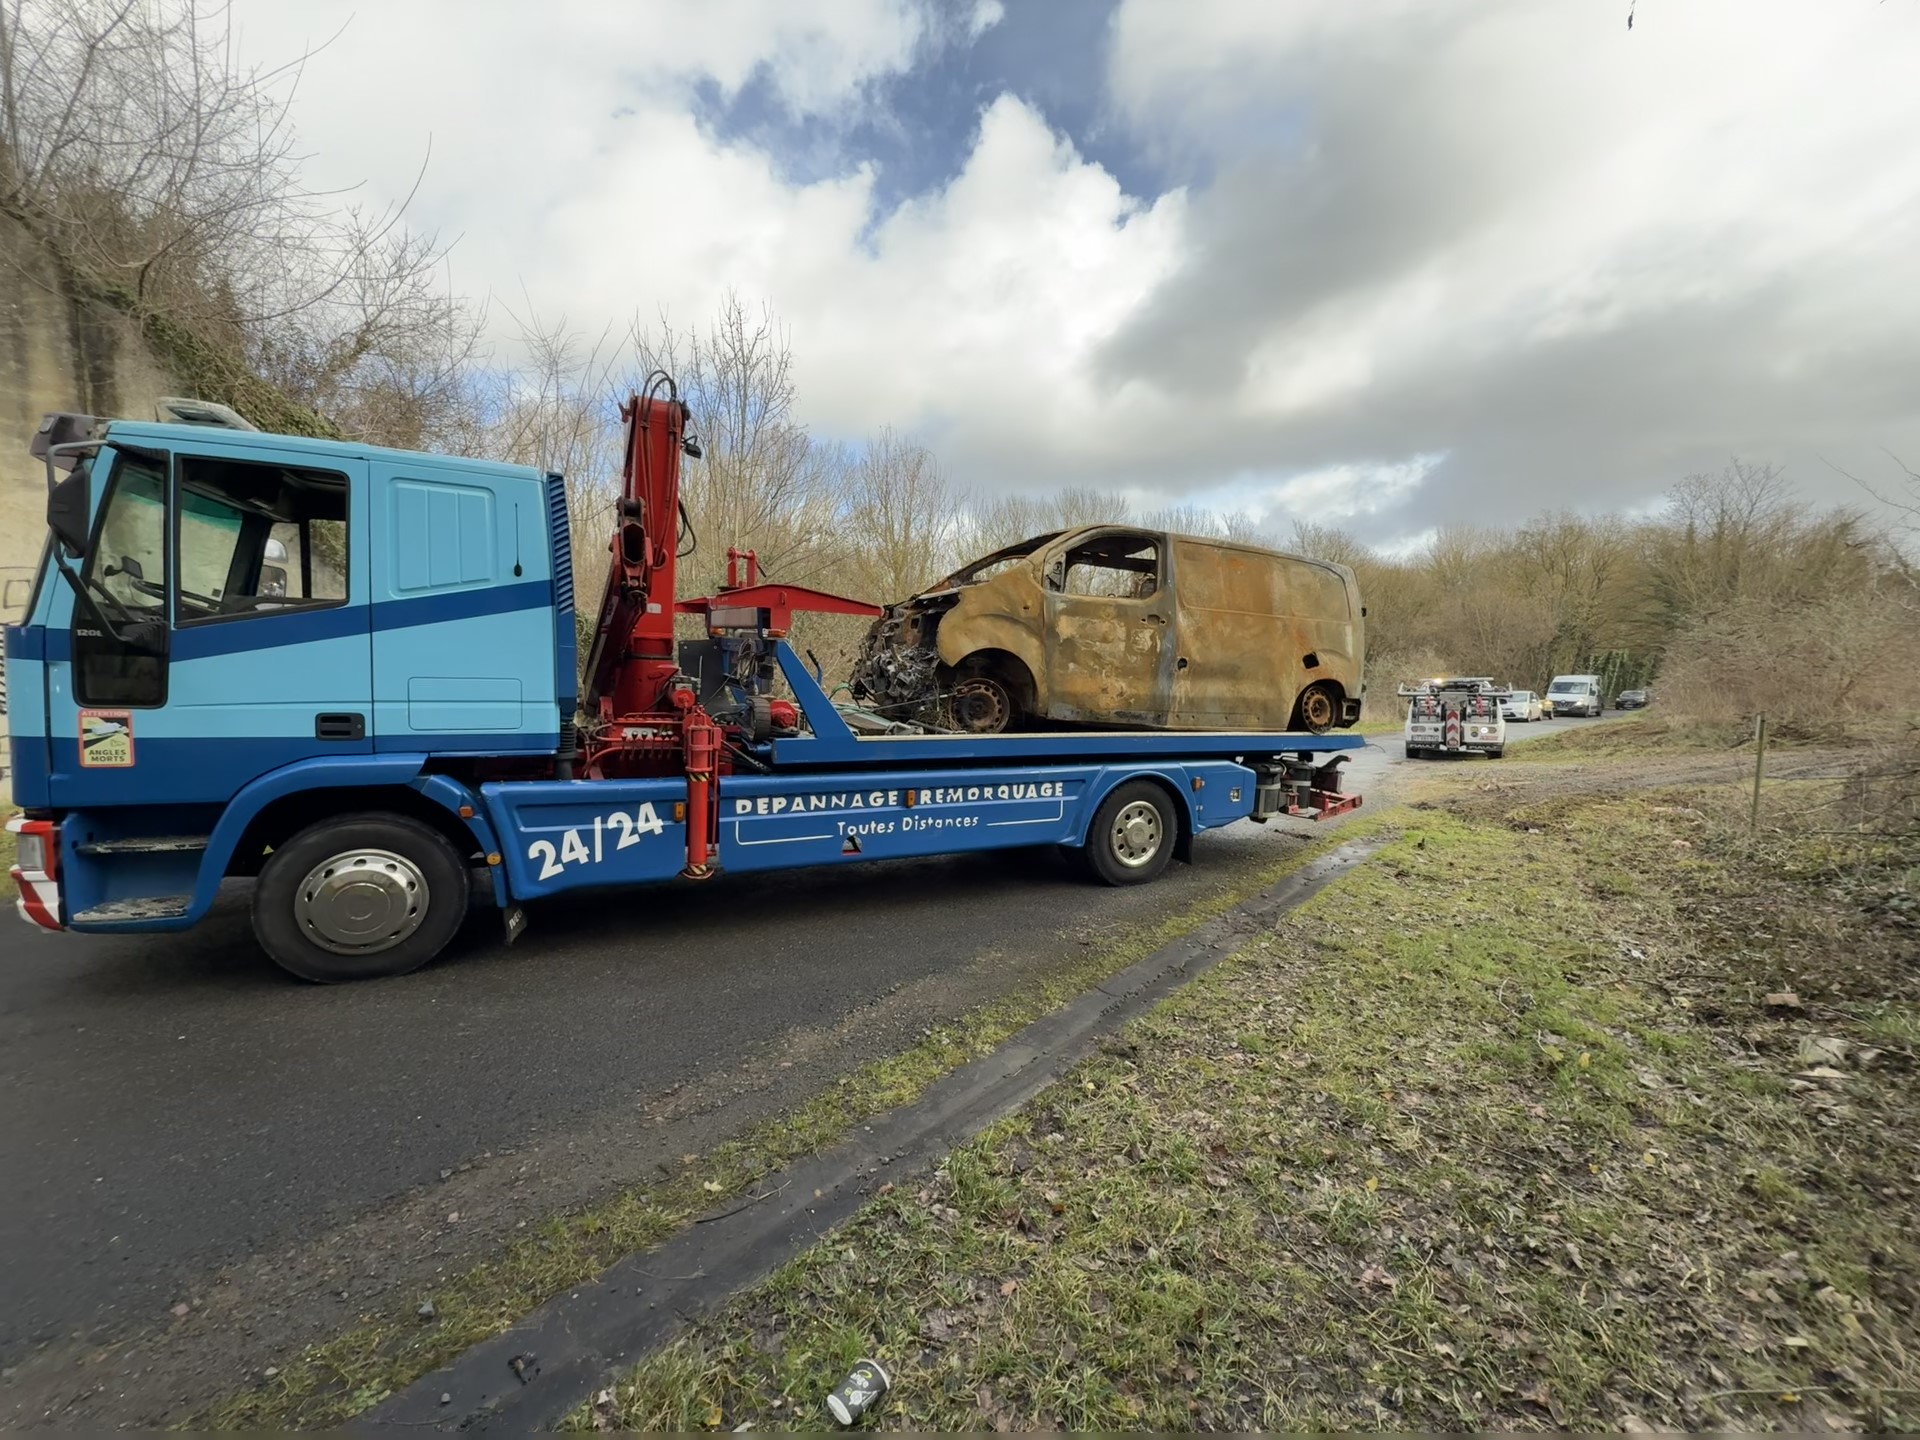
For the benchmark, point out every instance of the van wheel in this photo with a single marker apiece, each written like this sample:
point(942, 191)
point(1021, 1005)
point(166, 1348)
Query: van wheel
point(982, 705)
point(1318, 708)
point(1131, 838)
point(358, 898)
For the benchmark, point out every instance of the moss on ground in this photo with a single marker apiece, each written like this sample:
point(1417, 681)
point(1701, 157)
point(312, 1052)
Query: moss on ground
point(1514, 1126)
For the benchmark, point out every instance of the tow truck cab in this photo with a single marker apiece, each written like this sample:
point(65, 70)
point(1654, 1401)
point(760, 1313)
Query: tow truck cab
point(225, 621)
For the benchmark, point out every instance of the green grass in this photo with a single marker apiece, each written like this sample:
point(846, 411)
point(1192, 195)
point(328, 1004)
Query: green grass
point(1451, 1146)
point(343, 1376)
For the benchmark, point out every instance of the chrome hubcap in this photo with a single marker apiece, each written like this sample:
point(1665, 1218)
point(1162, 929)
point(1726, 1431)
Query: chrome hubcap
point(361, 902)
point(1136, 834)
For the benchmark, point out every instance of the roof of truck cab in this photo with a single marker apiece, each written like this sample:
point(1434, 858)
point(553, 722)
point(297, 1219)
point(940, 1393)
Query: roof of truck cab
point(299, 447)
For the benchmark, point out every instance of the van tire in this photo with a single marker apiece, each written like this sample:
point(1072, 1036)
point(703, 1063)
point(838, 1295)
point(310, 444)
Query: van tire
point(1133, 834)
point(1318, 708)
point(415, 890)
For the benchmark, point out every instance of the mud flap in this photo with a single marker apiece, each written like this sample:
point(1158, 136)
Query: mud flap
point(515, 917)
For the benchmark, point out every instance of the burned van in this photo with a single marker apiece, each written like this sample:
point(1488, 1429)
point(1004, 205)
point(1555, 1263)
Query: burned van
point(1108, 625)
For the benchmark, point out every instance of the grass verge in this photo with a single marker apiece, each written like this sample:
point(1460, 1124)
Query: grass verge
point(1566, 1116)
point(344, 1376)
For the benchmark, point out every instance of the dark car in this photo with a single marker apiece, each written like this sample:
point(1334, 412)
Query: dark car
point(1631, 700)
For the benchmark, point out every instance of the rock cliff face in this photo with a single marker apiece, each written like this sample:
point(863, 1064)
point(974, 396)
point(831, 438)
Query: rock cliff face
point(59, 350)
point(66, 344)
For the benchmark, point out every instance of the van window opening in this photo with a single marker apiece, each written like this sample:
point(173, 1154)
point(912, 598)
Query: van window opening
point(1113, 566)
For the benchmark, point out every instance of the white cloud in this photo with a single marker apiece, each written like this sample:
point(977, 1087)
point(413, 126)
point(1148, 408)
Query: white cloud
point(522, 101)
point(986, 15)
point(1584, 260)
point(1573, 261)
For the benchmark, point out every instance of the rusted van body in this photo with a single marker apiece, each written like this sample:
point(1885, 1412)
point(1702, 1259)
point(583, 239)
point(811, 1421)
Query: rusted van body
point(1117, 626)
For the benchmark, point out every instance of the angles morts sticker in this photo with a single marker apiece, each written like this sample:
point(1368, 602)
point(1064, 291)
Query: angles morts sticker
point(106, 738)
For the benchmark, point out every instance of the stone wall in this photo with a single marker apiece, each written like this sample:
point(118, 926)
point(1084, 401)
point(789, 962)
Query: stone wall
point(69, 343)
point(59, 350)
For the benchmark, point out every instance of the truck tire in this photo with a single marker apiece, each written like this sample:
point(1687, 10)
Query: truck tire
point(359, 897)
point(1132, 836)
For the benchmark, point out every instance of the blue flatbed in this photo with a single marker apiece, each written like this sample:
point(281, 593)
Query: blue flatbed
point(833, 797)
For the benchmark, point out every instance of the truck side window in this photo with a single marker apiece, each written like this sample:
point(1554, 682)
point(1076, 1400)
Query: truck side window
point(133, 528)
point(128, 560)
point(1117, 566)
point(259, 539)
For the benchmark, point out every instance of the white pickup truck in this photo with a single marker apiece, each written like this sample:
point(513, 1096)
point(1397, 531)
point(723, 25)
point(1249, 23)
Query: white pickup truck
point(1455, 717)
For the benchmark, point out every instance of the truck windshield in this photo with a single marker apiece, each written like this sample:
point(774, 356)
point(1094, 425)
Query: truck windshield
point(1565, 687)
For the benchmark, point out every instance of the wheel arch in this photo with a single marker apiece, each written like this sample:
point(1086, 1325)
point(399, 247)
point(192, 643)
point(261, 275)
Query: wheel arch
point(1008, 667)
point(278, 805)
point(962, 638)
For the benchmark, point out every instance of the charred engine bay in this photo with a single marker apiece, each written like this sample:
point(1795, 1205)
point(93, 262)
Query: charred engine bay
point(898, 671)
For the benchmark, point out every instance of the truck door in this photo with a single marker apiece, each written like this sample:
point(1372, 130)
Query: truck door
point(1109, 633)
point(224, 629)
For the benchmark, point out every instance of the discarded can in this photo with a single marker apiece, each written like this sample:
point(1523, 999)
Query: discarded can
point(857, 1393)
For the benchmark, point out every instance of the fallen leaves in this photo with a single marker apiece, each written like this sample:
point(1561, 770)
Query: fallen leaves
point(1375, 1277)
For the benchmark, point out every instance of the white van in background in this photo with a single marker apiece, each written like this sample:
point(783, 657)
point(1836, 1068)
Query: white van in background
point(1575, 695)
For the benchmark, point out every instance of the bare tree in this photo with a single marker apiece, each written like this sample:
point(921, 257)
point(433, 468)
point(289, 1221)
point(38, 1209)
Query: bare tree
point(134, 144)
point(764, 483)
point(903, 518)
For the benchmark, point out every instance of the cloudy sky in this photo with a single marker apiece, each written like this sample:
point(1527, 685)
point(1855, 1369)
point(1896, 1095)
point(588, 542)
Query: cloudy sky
point(1389, 265)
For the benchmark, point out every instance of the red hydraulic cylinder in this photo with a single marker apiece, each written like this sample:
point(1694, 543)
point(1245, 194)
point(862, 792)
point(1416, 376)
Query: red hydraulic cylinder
point(702, 739)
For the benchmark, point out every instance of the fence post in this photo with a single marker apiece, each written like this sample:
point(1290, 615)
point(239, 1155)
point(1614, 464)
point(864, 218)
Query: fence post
point(1759, 770)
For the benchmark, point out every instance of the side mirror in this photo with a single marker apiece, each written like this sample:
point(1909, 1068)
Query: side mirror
point(70, 508)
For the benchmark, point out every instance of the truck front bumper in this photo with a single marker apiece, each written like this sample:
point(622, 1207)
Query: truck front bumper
point(36, 870)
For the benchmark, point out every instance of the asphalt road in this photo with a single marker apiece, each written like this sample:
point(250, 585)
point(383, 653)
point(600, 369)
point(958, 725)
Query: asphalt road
point(176, 1107)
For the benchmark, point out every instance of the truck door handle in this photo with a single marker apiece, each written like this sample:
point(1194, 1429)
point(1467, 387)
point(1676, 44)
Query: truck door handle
point(340, 727)
point(1154, 619)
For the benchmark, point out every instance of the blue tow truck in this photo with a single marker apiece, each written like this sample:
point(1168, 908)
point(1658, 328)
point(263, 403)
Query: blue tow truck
point(351, 673)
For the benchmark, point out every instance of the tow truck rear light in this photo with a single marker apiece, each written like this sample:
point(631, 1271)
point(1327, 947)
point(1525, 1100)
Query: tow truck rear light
point(36, 870)
point(31, 852)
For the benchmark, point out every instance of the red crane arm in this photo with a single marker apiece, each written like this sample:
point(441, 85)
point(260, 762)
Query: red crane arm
point(632, 657)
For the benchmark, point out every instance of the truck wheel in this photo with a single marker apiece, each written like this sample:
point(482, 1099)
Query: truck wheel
point(358, 898)
point(1497, 754)
point(1131, 838)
